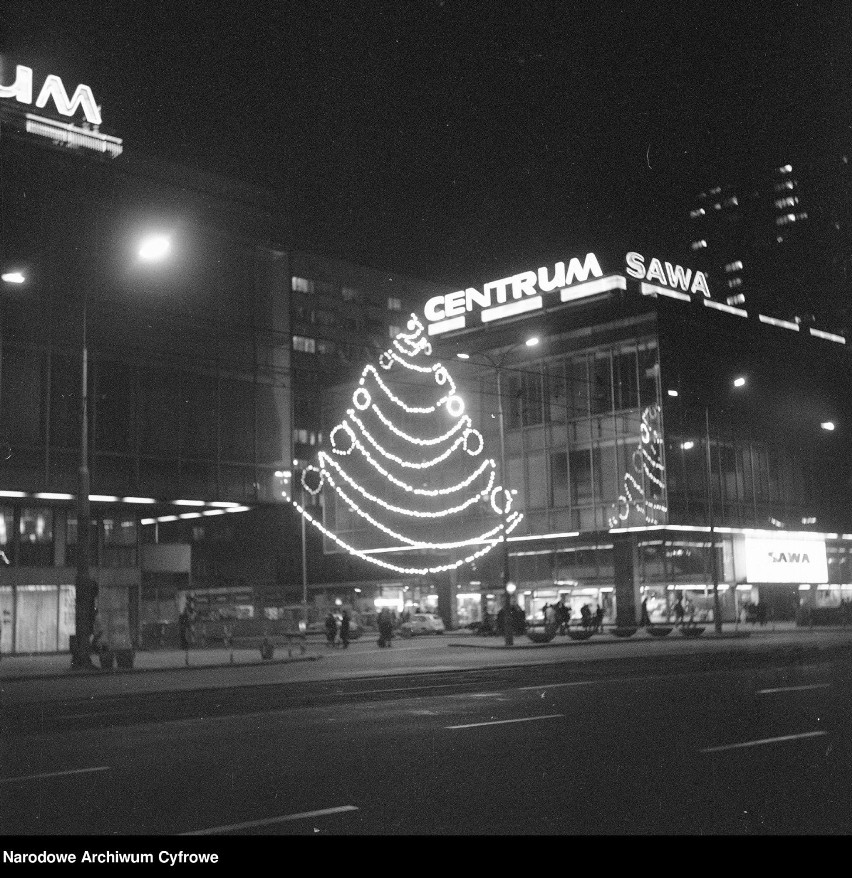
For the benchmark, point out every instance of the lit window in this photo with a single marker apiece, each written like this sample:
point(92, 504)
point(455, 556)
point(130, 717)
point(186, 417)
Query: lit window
point(304, 344)
point(394, 304)
point(736, 300)
point(734, 266)
point(786, 184)
point(302, 285)
point(732, 201)
point(717, 206)
point(394, 331)
point(350, 294)
point(697, 245)
point(785, 169)
point(716, 191)
point(326, 347)
point(735, 282)
point(783, 220)
point(696, 213)
point(801, 215)
point(789, 201)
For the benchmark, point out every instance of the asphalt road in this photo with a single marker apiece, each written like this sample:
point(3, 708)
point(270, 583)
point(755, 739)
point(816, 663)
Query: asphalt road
point(658, 746)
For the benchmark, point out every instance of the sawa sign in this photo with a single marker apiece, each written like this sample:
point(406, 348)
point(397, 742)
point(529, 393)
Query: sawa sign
point(572, 280)
point(53, 90)
point(785, 560)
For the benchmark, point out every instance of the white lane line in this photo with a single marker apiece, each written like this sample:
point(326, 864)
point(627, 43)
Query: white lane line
point(554, 685)
point(762, 741)
point(499, 722)
point(53, 774)
point(325, 812)
point(793, 688)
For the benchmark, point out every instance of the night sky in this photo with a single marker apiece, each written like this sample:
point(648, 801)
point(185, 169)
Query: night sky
point(454, 140)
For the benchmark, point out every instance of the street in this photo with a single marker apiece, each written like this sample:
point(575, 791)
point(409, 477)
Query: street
point(665, 744)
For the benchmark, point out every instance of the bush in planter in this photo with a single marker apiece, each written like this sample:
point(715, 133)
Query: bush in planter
point(541, 633)
point(692, 630)
point(660, 630)
point(624, 630)
point(580, 633)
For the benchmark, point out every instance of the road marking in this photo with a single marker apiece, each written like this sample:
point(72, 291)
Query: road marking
point(793, 688)
point(325, 812)
point(762, 741)
point(554, 685)
point(498, 722)
point(53, 774)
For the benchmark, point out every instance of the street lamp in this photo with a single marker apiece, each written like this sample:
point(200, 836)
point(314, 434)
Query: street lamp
point(498, 365)
point(85, 586)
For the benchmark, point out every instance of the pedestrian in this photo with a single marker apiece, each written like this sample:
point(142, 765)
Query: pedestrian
point(183, 627)
point(385, 628)
point(344, 630)
point(544, 610)
point(678, 610)
point(586, 616)
point(646, 619)
point(98, 645)
point(330, 628)
point(599, 614)
point(519, 620)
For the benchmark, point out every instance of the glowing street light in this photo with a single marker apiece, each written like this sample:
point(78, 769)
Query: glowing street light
point(686, 446)
point(154, 248)
point(532, 342)
point(13, 277)
point(827, 425)
point(739, 382)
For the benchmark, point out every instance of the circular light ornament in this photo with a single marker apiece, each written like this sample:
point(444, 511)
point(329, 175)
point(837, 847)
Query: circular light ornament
point(312, 479)
point(386, 360)
point(339, 444)
point(361, 398)
point(455, 406)
point(506, 502)
point(475, 447)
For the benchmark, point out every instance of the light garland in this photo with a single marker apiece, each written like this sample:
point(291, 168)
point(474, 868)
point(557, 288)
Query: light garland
point(353, 434)
point(644, 462)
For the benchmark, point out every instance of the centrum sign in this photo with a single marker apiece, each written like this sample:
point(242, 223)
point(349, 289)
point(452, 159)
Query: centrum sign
point(576, 280)
point(53, 93)
point(520, 293)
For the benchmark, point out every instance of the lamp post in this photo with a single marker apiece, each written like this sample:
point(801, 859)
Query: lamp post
point(509, 587)
point(714, 567)
point(153, 248)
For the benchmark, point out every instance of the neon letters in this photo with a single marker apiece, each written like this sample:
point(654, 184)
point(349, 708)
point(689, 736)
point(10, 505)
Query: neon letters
point(674, 277)
point(21, 90)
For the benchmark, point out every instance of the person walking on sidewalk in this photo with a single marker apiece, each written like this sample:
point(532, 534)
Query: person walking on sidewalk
point(344, 630)
point(645, 621)
point(385, 628)
point(599, 614)
point(679, 612)
point(330, 628)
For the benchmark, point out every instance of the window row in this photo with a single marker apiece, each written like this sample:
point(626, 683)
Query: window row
point(600, 382)
point(347, 293)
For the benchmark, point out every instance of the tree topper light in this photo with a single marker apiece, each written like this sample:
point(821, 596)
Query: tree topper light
point(411, 469)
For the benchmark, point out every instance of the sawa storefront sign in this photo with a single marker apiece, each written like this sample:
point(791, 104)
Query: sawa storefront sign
point(52, 96)
point(570, 281)
point(785, 560)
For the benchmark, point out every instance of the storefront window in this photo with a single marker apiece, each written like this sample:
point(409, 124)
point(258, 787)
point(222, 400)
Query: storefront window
point(35, 531)
point(120, 537)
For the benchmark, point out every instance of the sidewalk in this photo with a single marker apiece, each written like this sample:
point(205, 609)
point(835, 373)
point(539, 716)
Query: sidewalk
point(58, 665)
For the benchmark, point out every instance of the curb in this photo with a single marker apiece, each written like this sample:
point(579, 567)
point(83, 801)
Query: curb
point(602, 642)
point(99, 672)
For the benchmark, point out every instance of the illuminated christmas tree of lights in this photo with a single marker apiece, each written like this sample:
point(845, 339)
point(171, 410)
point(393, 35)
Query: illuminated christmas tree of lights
point(414, 468)
point(647, 463)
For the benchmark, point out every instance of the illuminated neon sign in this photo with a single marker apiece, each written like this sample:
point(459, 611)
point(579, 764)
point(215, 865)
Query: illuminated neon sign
point(675, 282)
point(21, 90)
point(519, 294)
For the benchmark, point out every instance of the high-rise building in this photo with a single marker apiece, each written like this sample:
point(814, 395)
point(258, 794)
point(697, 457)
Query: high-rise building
point(779, 240)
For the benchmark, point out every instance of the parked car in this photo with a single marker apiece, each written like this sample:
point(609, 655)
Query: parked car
point(422, 623)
